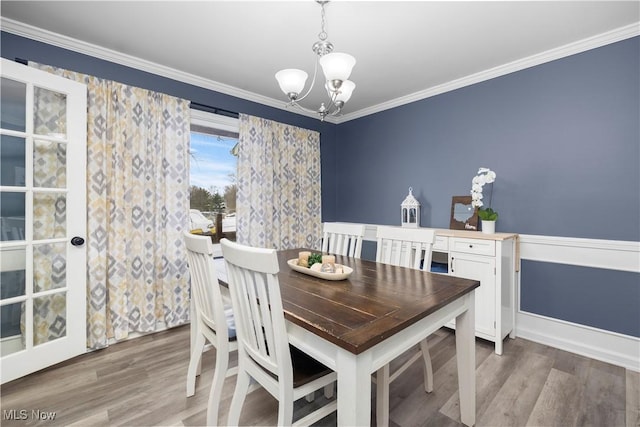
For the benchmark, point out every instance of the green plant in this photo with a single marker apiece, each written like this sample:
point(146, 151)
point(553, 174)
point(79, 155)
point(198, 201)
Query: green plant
point(487, 214)
point(314, 258)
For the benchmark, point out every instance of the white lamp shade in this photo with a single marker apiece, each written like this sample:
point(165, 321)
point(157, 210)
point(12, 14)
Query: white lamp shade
point(291, 80)
point(337, 66)
point(346, 90)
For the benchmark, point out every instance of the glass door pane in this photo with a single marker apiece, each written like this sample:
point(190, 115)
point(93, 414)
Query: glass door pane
point(12, 156)
point(13, 105)
point(12, 287)
point(50, 113)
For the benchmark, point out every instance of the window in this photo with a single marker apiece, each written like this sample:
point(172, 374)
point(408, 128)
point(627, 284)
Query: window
point(213, 165)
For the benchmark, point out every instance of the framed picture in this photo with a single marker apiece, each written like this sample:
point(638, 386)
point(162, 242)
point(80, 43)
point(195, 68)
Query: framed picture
point(463, 215)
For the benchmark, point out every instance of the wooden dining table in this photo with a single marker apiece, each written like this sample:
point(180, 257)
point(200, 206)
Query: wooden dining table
point(357, 325)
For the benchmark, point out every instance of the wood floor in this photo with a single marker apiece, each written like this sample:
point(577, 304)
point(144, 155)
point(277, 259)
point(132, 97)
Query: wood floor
point(141, 382)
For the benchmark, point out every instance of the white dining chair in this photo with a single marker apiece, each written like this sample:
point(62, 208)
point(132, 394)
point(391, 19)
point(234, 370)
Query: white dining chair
point(264, 353)
point(405, 247)
point(341, 238)
point(215, 322)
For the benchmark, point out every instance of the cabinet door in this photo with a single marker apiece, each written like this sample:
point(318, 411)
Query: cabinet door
point(480, 268)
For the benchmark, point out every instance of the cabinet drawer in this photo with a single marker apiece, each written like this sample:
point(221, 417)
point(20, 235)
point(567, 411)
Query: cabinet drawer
point(473, 246)
point(441, 244)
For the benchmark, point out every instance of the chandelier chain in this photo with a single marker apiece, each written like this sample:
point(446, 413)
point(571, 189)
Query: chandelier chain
point(323, 34)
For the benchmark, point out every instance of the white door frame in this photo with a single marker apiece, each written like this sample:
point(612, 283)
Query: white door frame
point(73, 343)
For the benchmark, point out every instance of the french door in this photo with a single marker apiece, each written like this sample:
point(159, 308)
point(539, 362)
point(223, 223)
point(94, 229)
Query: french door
point(42, 219)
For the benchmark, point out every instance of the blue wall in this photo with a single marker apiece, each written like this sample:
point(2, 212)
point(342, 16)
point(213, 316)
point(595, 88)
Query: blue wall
point(582, 295)
point(563, 137)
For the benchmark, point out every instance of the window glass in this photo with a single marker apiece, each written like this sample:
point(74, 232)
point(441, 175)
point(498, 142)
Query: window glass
point(213, 166)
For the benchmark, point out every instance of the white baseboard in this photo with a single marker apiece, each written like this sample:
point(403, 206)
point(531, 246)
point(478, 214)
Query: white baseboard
point(606, 346)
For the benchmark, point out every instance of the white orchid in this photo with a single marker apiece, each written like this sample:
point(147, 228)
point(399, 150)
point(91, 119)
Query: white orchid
point(479, 179)
point(484, 176)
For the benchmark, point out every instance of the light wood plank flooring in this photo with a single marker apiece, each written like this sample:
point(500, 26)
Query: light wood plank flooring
point(141, 382)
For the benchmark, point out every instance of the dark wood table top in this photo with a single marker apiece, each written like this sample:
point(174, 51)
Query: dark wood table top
point(375, 301)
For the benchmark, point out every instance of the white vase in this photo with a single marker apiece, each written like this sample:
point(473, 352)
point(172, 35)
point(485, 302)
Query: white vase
point(488, 227)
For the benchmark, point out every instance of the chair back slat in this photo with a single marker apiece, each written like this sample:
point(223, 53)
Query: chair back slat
point(405, 247)
point(205, 289)
point(257, 305)
point(342, 239)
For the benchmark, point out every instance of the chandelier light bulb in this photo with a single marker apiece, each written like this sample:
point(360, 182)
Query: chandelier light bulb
point(291, 81)
point(337, 66)
point(345, 91)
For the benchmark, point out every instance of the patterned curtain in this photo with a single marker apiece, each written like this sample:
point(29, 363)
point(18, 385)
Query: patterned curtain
point(278, 203)
point(137, 205)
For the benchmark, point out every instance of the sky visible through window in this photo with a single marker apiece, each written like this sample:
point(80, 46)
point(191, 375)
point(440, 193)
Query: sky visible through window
point(211, 161)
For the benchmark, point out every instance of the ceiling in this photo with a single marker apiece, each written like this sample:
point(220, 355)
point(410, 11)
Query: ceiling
point(404, 50)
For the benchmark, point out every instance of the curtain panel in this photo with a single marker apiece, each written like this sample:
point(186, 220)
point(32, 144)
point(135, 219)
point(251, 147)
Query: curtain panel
point(278, 204)
point(137, 207)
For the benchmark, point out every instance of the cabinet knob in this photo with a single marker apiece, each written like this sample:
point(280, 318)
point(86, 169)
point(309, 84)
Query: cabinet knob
point(470, 246)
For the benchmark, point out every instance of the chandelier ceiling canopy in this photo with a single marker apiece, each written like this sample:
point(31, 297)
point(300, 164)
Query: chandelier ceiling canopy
point(336, 67)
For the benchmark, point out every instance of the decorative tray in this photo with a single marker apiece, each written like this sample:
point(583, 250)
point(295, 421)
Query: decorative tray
point(293, 263)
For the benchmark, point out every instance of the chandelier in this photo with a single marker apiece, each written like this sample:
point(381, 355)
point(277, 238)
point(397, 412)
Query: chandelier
point(336, 68)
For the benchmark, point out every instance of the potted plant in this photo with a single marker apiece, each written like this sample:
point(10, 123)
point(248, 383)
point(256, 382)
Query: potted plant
point(487, 215)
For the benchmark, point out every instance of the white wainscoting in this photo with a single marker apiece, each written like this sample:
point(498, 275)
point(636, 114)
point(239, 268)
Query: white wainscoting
point(607, 346)
point(599, 344)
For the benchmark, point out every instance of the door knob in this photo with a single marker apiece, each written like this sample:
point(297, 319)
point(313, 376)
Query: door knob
point(77, 241)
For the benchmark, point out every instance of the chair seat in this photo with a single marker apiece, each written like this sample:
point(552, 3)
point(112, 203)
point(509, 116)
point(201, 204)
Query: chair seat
point(305, 368)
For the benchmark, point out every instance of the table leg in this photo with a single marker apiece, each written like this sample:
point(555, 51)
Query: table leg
point(466, 359)
point(354, 388)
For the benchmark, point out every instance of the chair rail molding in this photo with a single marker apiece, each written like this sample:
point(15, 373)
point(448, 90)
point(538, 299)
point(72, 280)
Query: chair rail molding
point(609, 254)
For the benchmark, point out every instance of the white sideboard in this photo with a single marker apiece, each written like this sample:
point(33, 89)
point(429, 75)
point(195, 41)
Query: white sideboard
point(493, 259)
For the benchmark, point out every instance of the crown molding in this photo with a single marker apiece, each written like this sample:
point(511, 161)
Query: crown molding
point(55, 39)
point(583, 45)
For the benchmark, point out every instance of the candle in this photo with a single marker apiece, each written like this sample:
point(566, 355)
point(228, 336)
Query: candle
point(329, 259)
point(328, 264)
point(303, 258)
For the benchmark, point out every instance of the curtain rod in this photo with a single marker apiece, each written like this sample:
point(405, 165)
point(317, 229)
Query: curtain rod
point(214, 110)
